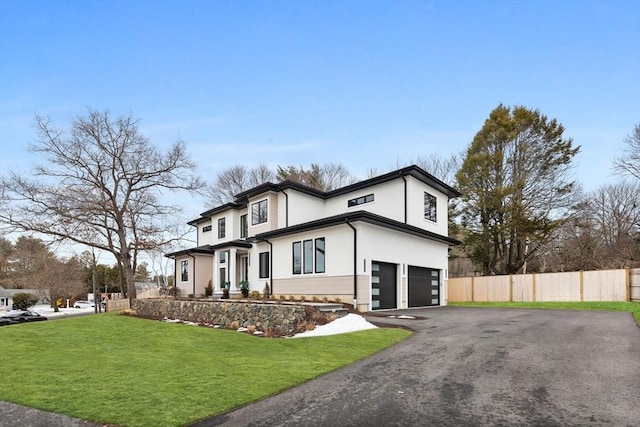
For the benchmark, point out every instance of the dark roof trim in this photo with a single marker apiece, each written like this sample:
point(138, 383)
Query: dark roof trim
point(363, 216)
point(210, 249)
point(241, 199)
point(206, 250)
point(206, 215)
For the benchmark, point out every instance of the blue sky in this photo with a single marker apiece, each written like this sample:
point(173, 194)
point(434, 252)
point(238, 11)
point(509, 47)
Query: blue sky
point(369, 84)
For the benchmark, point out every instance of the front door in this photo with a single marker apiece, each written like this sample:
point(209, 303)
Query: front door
point(383, 286)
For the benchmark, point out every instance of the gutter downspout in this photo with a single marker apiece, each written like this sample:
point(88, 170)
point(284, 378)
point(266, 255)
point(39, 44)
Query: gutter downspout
point(405, 197)
point(355, 265)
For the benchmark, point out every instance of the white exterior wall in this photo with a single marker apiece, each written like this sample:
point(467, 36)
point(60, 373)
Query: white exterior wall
point(338, 252)
point(204, 238)
point(415, 207)
point(302, 208)
point(388, 201)
point(383, 245)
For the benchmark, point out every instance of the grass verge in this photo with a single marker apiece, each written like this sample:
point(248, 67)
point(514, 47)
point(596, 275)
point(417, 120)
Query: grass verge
point(136, 372)
point(632, 307)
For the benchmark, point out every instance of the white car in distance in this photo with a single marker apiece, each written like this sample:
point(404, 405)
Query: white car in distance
point(84, 304)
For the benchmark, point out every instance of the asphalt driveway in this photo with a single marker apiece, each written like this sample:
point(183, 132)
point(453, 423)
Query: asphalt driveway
point(476, 366)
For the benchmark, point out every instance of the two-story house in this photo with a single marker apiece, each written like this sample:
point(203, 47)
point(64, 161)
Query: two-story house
point(381, 243)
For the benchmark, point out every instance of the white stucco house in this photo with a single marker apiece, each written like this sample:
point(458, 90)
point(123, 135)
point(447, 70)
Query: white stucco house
point(381, 243)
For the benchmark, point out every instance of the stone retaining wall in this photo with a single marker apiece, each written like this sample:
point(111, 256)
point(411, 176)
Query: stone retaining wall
point(279, 318)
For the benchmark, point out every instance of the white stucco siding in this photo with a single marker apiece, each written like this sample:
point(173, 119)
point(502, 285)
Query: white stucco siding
point(380, 244)
point(415, 207)
point(272, 214)
point(388, 201)
point(338, 252)
point(204, 237)
point(201, 266)
point(302, 208)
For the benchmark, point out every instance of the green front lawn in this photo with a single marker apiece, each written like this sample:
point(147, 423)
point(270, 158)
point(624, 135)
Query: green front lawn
point(632, 307)
point(136, 372)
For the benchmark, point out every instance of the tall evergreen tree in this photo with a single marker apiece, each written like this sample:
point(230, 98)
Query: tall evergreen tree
point(515, 185)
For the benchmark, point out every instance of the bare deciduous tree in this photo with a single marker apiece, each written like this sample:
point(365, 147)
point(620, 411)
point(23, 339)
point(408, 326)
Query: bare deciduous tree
point(629, 162)
point(235, 180)
point(321, 177)
point(102, 186)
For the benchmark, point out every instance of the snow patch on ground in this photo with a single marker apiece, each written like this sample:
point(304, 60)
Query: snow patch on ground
point(47, 311)
point(349, 323)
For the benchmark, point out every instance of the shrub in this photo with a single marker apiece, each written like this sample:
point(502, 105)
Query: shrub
point(325, 298)
point(315, 299)
point(303, 298)
point(272, 297)
point(254, 295)
point(235, 324)
point(208, 291)
point(225, 293)
point(338, 300)
point(24, 300)
point(292, 298)
point(266, 291)
point(251, 329)
point(282, 297)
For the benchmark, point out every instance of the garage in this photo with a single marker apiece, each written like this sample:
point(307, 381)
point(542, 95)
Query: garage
point(423, 287)
point(383, 286)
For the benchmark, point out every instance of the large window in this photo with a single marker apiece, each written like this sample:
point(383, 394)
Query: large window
point(184, 268)
point(259, 212)
point(263, 265)
point(222, 228)
point(320, 255)
point(360, 200)
point(309, 256)
point(244, 227)
point(430, 207)
point(297, 257)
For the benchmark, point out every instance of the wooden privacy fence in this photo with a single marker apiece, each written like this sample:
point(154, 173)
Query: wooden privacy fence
point(603, 285)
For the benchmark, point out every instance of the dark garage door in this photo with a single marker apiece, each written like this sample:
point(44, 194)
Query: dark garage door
point(424, 286)
point(383, 285)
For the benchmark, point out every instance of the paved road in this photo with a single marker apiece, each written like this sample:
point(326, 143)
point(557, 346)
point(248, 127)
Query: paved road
point(476, 366)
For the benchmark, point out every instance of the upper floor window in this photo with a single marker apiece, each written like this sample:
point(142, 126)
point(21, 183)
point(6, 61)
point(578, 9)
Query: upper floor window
point(184, 268)
point(206, 228)
point(259, 212)
point(430, 207)
point(221, 228)
point(244, 227)
point(360, 200)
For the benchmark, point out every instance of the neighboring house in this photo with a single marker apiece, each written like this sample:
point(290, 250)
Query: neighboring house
point(6, 299)
point(380, 243)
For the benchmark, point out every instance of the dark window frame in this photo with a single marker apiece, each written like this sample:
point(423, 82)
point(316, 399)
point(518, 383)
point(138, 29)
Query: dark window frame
point(222, 227)
point(369, 198)
point(307, 256)
point(263, 265)
point(319, 254)
point(430, 207)
point(296, 249)
point(260, 212)
point(206, 228)
point(244, 226)
point(184, 270)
